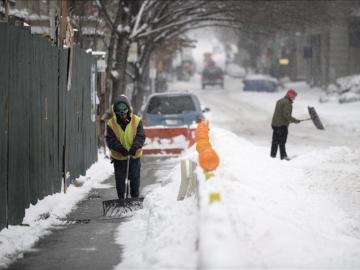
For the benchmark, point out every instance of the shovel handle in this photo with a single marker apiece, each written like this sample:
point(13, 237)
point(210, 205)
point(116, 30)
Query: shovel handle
point(127, 185)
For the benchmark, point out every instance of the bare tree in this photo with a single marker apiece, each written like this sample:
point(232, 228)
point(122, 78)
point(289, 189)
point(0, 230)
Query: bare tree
point(149, 23)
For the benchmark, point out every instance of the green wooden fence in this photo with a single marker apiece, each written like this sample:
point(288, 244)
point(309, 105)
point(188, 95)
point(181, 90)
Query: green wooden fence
point(46, 129)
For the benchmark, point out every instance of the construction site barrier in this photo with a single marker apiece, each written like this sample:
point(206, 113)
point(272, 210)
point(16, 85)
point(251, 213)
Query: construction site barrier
point(188, 185)
point(47, 128)
point(208, 161)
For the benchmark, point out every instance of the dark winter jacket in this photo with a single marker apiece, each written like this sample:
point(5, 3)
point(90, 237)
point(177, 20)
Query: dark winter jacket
point(111, 139)
point(282, 114)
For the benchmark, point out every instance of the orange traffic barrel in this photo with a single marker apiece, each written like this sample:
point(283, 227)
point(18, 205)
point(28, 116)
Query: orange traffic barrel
point(202, 135)
point(208, 159)
point(202, 144)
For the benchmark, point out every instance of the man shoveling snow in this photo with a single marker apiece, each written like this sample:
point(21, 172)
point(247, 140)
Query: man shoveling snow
point(280, 122)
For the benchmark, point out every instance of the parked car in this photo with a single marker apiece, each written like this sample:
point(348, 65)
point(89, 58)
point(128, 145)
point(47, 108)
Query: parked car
point(235, 71)
point(212, 75)
point(172, 109)
point(260, 83)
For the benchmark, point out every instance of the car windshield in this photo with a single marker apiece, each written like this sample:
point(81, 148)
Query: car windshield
point(212, 71)
point(171, 105)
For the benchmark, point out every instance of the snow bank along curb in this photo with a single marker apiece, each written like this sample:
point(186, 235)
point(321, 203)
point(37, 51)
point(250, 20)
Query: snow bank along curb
point(217, 242)
point(215, 227)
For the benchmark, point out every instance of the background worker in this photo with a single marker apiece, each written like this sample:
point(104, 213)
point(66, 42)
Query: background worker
point(280, 122)
point(125, 138)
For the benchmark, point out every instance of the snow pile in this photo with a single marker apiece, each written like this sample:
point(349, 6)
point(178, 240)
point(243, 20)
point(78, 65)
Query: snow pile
point(272, 214)
point(235, 71)
point(218, 246)
point(347, 89)
point(279, 219)
point(350, 96)
point(163, 234)
point(350, 82)
point(20, 13)
point(50, 213)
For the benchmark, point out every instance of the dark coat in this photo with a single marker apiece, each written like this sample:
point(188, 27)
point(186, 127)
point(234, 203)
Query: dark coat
point(111, 139)
point(282, 114)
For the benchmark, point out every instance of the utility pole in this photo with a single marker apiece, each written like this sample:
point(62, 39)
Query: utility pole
point(6, 3)
point(64, 13)
point(52, 15)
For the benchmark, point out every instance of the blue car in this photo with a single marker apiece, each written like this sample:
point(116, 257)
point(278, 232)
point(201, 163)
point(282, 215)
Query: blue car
point(260, 83)
point(172, 109)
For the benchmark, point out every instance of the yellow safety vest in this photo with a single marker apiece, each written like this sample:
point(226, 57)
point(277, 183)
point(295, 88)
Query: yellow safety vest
point(126, 137)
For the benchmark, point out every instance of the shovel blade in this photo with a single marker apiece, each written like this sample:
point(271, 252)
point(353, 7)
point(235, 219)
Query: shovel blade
point(121, 207)
point(315, 118)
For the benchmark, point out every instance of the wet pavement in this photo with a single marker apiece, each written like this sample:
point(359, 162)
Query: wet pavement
point(87, 241)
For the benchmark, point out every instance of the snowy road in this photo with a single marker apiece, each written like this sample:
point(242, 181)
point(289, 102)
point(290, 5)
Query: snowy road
point(248, 115)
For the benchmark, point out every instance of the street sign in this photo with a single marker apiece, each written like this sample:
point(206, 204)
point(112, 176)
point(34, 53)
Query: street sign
point(308, 52)
point(284, 61)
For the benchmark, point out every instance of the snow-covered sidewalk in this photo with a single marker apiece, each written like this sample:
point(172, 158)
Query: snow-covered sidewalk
point(274, 214)
point(280, 214)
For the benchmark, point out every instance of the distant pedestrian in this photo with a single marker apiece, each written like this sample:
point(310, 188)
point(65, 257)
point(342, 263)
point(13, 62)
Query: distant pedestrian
point(280, 122)
point(125, 138)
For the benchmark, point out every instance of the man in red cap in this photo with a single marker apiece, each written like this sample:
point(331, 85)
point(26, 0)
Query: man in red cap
point(280, 122)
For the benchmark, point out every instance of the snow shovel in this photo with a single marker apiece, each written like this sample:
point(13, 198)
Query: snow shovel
point(122, 207)
point(315, 118)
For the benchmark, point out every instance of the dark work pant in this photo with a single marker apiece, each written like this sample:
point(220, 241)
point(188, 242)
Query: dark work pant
point(134, 176)
point(279, 140)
